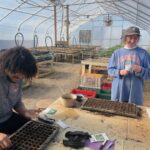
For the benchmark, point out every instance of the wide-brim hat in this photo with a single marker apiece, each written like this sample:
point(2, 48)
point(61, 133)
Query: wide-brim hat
point(131, 31)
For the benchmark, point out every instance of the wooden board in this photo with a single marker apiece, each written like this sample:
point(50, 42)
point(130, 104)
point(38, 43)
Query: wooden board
point(128, 132)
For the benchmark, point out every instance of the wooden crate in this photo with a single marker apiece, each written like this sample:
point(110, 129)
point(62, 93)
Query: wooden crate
point(91, 80)
point(45, 68)
point(91, 65)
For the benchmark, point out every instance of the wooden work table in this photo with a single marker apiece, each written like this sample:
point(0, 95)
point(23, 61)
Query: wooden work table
point(130, 133)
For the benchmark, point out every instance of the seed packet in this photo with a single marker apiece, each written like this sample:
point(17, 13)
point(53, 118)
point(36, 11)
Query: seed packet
point(49, 111)
point(99, 137)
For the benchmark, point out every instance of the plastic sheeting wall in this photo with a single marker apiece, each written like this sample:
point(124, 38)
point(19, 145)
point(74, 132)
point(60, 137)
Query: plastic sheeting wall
point(105, 36)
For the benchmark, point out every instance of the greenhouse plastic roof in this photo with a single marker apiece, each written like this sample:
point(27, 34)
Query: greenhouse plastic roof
point(40, 13)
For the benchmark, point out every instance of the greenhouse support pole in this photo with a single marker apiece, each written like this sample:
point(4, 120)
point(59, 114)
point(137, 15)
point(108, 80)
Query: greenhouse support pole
point(55, 24)
point(67, 24)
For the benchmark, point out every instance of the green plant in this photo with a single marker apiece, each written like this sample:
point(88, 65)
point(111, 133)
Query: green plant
point(108, 52)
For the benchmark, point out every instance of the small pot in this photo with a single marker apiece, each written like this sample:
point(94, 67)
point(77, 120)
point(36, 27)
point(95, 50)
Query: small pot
point(69, 100)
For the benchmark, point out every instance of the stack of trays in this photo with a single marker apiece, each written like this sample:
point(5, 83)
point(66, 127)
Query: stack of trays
point(34, 135)
point(112, 107)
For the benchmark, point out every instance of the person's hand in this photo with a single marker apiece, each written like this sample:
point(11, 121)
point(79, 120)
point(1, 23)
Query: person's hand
point(136, 68)
point(32, 113)
point(123, 72)
point(4, 141)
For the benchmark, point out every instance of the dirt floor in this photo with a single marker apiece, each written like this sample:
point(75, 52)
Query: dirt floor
point(65, 77)
point(44, 91)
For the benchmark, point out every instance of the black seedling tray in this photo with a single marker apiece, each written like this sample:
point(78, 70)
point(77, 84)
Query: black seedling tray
point(112, 107)
point(34, 135)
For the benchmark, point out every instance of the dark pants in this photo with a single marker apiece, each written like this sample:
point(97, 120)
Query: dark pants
point(13, 123)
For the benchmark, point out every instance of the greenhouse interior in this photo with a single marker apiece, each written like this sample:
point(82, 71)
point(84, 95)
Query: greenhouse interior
point(66, 62)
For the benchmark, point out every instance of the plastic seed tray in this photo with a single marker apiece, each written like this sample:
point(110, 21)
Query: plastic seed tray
point(34, 135)
point(112, 107)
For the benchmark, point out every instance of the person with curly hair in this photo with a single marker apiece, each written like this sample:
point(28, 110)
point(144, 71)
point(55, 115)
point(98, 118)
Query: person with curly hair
point(16, 64)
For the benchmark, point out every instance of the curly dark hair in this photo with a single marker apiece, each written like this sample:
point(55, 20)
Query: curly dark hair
point(19, 60)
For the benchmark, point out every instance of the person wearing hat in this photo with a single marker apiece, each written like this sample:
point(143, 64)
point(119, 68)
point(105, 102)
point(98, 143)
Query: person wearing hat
point(129, 67)
point(16, 64)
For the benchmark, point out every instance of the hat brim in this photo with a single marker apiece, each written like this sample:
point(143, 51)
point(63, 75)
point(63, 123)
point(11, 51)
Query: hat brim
point(130, 34)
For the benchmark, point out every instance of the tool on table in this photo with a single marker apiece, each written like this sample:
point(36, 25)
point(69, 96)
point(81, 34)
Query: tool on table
point(76, 139)
point(46, 119)
point(108, 145)
point(80, 98)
